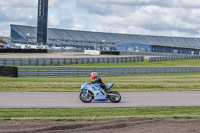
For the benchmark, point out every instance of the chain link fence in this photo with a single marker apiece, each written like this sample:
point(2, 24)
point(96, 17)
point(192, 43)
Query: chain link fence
point(66, 61)
point(103, 71)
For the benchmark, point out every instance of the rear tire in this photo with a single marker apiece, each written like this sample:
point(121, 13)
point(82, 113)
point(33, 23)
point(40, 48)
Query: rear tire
point(85, 97)
point(116, 98)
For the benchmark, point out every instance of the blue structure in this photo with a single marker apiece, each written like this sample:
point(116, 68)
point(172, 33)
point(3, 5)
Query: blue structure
point(133, 47)
point(108, 41)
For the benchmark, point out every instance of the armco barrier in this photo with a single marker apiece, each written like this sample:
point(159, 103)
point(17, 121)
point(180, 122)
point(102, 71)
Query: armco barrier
point(177, 57)
point(103, 71)
point(66, 61)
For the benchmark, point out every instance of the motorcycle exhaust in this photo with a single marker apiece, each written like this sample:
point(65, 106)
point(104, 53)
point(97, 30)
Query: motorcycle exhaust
point(111, 94)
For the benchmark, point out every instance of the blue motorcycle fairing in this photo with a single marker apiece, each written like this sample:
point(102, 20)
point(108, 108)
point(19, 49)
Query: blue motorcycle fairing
point(96, 90)
point(110, 85)
point(83, 85)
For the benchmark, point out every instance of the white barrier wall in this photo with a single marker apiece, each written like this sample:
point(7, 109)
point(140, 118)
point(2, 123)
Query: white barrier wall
point(92, 52)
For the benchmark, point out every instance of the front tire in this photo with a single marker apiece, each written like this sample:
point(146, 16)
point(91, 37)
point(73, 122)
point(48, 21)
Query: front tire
point(114, 98)
point(85, 97)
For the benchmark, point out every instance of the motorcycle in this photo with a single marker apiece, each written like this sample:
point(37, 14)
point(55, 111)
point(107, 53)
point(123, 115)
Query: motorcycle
point(94, 92)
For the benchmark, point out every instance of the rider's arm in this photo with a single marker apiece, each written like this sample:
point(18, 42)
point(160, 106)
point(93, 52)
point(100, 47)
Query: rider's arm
point(95, 81)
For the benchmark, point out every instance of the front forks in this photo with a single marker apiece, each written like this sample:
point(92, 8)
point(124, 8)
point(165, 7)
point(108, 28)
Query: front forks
point(87, 93)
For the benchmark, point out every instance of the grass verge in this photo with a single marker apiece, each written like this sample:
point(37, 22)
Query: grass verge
point(156, 82)
point(99, 113)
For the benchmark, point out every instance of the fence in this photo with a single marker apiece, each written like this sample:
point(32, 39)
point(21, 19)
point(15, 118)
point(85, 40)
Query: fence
point(103, 71)
point(65, 61)
point(177, 57)
point(150, 53)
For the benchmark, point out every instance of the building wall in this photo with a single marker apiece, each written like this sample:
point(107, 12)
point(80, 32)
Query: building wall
point(133, 47)
point(18, 36)
point(175, 50)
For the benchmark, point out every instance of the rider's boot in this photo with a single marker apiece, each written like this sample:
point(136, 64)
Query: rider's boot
point(103, 92)
point(107, 90)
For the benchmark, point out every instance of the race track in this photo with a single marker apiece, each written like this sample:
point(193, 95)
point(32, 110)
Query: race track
point(71, 99)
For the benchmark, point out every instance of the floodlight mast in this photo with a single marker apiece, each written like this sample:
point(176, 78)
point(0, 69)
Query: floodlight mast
point(42, 22)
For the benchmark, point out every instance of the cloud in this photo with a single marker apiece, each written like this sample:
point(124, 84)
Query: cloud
point(94, 7)
point(18, 3)
point(178, 17)
point(165, 3)
point(26, 3)
point(15, 12)
point(186, 3)
point(22, 12)
point(53, 21)
point(153, 17)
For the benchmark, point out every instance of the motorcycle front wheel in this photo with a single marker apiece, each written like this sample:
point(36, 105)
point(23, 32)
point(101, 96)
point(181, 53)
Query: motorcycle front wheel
point(85, 97)
point(114, 97)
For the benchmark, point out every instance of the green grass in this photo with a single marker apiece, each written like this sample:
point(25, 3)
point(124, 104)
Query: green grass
point(99, 113)
point(156, 82)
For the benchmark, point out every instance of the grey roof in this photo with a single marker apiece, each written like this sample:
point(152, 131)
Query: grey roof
point(99, 37)
point(166, 41)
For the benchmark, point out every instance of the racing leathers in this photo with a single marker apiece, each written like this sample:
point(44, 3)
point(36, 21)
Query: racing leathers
point(98, 80)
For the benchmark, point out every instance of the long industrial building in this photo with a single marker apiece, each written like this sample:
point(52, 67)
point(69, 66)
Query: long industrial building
point(108, 41)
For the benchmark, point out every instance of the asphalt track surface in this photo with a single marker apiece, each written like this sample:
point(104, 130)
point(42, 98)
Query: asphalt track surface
point(64, 55)
point(71, 99)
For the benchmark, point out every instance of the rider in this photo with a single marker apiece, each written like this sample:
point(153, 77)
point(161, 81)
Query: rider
point(97, 80)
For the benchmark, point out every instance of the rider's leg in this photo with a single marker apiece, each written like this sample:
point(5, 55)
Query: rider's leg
point(107, 90)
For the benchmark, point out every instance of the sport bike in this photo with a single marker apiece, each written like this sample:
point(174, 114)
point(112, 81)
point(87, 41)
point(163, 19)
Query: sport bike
point(94, 92)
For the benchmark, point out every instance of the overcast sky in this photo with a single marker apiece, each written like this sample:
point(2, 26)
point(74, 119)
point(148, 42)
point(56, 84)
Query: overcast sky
point(149, 17)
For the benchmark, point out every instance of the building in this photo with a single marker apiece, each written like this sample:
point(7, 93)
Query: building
point(107, 41)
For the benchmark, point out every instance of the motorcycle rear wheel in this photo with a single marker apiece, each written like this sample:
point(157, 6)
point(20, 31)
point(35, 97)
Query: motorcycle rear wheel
point(116, 98)
point(85, 97)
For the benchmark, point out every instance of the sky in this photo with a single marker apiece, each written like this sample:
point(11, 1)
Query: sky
point(179, 18)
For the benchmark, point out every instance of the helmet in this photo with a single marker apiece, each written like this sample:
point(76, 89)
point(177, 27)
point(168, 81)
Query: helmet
point(94, 75)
